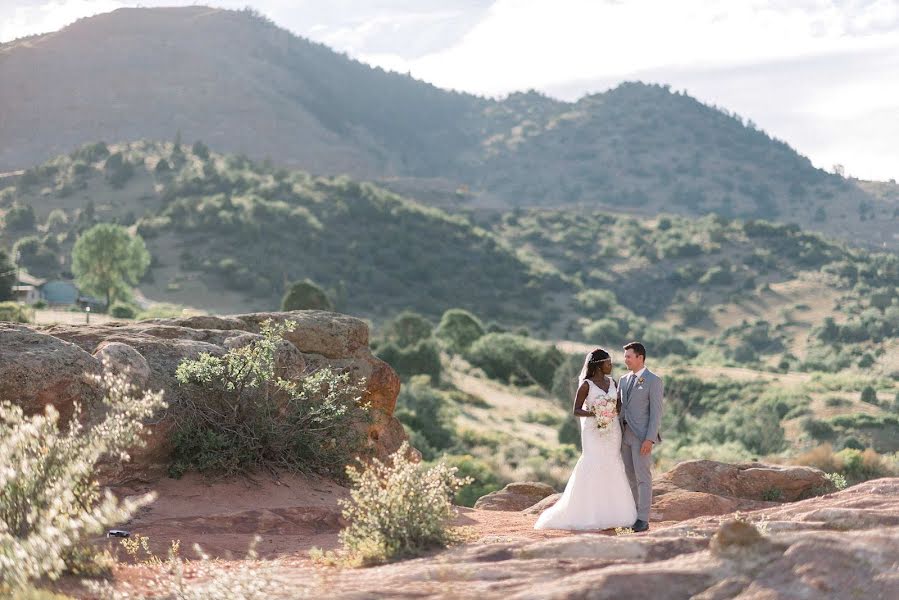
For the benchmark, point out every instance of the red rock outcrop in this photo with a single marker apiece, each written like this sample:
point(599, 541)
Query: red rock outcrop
point(705, 487)
point(46, 365)
point(841, 545)
point(515, 496)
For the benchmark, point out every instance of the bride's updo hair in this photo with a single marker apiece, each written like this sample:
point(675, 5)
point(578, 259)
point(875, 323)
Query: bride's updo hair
point(597, 356)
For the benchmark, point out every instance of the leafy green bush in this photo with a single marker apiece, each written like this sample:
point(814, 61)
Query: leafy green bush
point(569, 432)
point(564, 385)
point(850, 442)
point(399, 508)
point(817, 429)
point(861, 465)
point(483, 479)
point(15, 312)
point(162, 167)
point(407, 329)
point(786, 403)
point(869, 395)
point(425, 410)
point(543, 417)
point(694, 313)
point(50, 503)
point(57, 220)
point(757, 427)
point(717, 275)
point(91, 153)
point(605, 331)
point(423, 358)
point(836, 401)
point(37, 256)
point(597, 301)
point(121, 310)
point(20, 217)
point(305, 295)
point(118, 170)
point(250, 417)
point(662, 342)
point(459, 329)
point(855, 420)
point(513, 358)
point(200, 150)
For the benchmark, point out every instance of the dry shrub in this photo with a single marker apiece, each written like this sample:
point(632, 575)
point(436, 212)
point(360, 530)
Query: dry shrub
point(207, 579)
point(855, 465)
point(398, 509)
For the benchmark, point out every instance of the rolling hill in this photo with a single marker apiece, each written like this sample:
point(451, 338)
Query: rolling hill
point(228, 235)
point(245, 86)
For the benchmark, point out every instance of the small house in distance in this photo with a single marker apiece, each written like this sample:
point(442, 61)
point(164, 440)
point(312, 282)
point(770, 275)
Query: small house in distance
point(58, 293)
point(27, 289)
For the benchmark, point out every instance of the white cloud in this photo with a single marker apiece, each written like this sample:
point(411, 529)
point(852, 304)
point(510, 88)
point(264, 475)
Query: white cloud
point(526, 43)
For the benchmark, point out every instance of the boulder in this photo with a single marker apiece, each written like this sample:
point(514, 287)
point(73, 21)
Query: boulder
point(748, 481)
point(704, 487)
point(679, 505)
point(122, 358)
point(515, 496)
point(37, 370)
point(538, 508)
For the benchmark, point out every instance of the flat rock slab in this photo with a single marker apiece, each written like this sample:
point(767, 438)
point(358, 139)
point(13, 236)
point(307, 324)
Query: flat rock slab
point(821, 547)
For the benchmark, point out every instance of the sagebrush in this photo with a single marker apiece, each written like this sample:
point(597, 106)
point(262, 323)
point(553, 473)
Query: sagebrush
point(49, 500)
point(398, 508)
point(251, 417)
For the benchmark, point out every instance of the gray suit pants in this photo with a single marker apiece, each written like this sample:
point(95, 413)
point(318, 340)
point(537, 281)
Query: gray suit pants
point(639, 472)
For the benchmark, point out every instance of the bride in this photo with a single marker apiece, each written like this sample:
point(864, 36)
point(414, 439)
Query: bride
point(598, 495)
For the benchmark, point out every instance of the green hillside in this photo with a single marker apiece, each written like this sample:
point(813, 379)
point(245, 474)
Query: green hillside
point(739, 291)
point(225, 225)
point(227, 234)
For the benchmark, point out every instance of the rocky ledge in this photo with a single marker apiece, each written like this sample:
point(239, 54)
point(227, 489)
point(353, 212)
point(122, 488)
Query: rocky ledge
point(841, 545)
point(47, 365)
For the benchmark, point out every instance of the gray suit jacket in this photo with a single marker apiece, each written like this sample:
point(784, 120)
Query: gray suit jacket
point(641, 404)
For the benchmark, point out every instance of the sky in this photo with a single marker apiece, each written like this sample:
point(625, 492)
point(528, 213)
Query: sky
point(821, 75)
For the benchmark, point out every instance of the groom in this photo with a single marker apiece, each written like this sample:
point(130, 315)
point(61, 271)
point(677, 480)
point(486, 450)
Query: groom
point(641, 414)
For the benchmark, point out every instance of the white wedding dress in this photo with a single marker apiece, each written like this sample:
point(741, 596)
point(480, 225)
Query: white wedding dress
point(598, 495)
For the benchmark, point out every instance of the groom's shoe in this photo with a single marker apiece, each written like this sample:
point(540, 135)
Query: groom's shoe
point(640, 525)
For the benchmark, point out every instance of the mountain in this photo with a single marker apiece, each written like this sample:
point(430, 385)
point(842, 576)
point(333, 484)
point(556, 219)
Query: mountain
point(231, 78)
point(244, 86)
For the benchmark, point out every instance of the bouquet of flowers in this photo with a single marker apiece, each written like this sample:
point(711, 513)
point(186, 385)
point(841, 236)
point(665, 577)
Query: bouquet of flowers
point(603, 409)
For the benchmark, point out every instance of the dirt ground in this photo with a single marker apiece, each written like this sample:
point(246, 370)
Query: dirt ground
point(290, 516)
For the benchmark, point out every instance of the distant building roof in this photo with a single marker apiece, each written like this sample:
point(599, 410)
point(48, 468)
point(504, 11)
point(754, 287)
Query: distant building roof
point(26, 279)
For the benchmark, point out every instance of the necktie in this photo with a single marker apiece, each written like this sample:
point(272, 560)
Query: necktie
point(630, 386)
